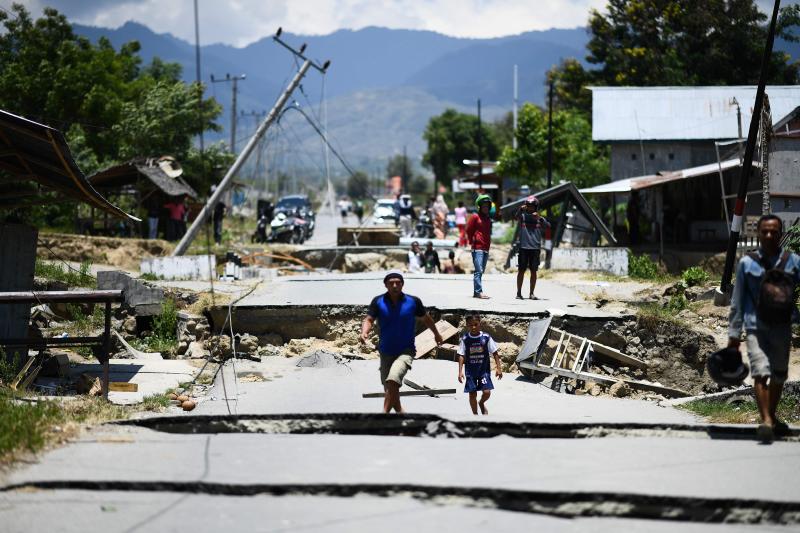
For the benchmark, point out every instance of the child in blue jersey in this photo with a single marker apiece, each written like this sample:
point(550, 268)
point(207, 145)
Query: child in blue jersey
point(474, 365)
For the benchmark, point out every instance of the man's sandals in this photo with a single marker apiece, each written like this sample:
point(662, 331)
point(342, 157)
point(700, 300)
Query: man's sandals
point(481, 296)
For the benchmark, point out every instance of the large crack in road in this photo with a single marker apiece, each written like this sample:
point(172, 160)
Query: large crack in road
point(557, 504)
point(425, 425)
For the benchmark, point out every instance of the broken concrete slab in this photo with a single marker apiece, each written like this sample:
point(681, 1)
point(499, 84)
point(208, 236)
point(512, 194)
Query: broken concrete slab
point(152, 377)
point(143, 299)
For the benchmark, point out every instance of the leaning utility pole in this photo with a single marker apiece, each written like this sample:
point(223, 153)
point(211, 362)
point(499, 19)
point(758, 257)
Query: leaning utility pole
point(480, 149)
point(550, 138)
point(514, 140)
point(201, 219)
point(235, 80)
point(747, 165)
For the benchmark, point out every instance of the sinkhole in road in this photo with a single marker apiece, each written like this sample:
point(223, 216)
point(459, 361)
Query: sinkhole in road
point(559, 504)
point(429, 426)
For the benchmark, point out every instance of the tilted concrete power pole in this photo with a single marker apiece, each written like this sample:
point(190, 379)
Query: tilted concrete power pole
point(240, 160)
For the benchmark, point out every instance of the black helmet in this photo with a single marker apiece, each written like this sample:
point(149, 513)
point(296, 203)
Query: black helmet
point(725, 366)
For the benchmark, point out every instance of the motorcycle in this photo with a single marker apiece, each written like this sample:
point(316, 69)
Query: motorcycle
point(288, 228)
point(260, 234)
point(424, 228)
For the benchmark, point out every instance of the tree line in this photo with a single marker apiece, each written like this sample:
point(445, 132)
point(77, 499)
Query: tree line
point(631, 43)
point(110, 106)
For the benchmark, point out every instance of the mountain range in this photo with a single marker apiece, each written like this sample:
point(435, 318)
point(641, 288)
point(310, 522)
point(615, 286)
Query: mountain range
point(381, 88)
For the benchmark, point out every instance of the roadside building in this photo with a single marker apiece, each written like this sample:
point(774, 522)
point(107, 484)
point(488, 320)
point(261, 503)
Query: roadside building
point(149, 184)
point(656, 129)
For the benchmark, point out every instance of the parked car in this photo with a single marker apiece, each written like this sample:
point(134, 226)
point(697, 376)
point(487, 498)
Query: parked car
point(384, 212)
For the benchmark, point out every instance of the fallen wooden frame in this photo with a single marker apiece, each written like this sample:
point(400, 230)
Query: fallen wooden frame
point(424, 392)
point(605, 380)
point(425, 341)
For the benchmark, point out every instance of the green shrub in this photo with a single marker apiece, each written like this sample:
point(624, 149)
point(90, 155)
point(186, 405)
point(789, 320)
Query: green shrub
point(70, 276)
point(693, 276)
point(677, 303)
point(164, 336)
point(166, 324)
point(793, 238)
point(642, 267)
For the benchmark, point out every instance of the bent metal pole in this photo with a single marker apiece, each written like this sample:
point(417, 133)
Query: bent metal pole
point(223, 185)
point(747, 165)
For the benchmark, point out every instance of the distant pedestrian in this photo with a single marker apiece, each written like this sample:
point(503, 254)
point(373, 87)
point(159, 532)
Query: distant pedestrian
point(176, 210)
point(479, 235)
point(430, 259)
point(474, 365)
point(531, 235)
point(450, 266)
point(358, 209)
point(439, 213)
point(217, 217)
point(763, 302)
point(396, 313)
point(415, 260)
point(153, 213)
point(406, 215)
point(461, 223)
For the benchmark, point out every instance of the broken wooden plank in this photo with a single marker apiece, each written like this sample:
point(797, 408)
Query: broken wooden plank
point(425, 341)
point(123, 386)
point(608, 351)
point(22, 372)
point(426, 392)
point(606, 380)
point(623, 358)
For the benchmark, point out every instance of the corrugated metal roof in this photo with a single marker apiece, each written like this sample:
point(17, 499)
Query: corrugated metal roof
point(36, 159)
point(118, 176)
point(644, 182)
point(681, 113)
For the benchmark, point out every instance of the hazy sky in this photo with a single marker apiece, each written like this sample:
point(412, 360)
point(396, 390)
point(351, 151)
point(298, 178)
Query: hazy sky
point(240, 22)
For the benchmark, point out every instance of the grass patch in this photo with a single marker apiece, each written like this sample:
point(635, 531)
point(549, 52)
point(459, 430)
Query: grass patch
point(28, 427)
point(56, 272)
point(650, 316)
point(746, 412)
point(155, 402)
point(149, 276)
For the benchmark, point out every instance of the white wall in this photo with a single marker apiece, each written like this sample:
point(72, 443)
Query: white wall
point(611, 260)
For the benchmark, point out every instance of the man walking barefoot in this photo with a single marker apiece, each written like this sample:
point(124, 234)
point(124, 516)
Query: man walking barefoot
point(531, 233)
point(763, 302)
point(396, 313)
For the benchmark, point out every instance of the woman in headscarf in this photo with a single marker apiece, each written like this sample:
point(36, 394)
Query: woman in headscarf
point(440, 211)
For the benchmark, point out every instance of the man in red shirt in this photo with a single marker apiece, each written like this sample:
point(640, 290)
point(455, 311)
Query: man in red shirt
point(479, 235)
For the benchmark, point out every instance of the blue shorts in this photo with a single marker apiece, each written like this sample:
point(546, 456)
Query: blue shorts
point(478, 383)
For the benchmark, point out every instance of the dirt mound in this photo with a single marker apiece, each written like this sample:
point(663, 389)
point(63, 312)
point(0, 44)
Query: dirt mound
point(115, 251)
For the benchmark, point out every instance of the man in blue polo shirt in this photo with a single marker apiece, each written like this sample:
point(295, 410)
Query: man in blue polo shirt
point(397, 315)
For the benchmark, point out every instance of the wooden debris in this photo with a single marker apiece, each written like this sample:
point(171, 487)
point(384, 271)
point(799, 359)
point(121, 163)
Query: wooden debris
point(605, 380)
point(426, 392)
point(123, 386)
point(425, 342)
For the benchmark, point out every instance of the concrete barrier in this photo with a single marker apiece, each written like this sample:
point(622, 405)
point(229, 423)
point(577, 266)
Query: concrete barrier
point(181, 267)
point(611, 260)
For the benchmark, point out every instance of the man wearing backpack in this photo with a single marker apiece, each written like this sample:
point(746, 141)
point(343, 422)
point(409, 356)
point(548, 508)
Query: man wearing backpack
point(763, 303)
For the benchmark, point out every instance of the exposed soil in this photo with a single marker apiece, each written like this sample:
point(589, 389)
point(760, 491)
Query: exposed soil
point(115, 251)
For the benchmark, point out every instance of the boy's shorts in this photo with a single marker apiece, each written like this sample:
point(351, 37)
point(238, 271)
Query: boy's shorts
point(395, 367)
point(768, 350)
point(529, 259)
point(479, 383)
